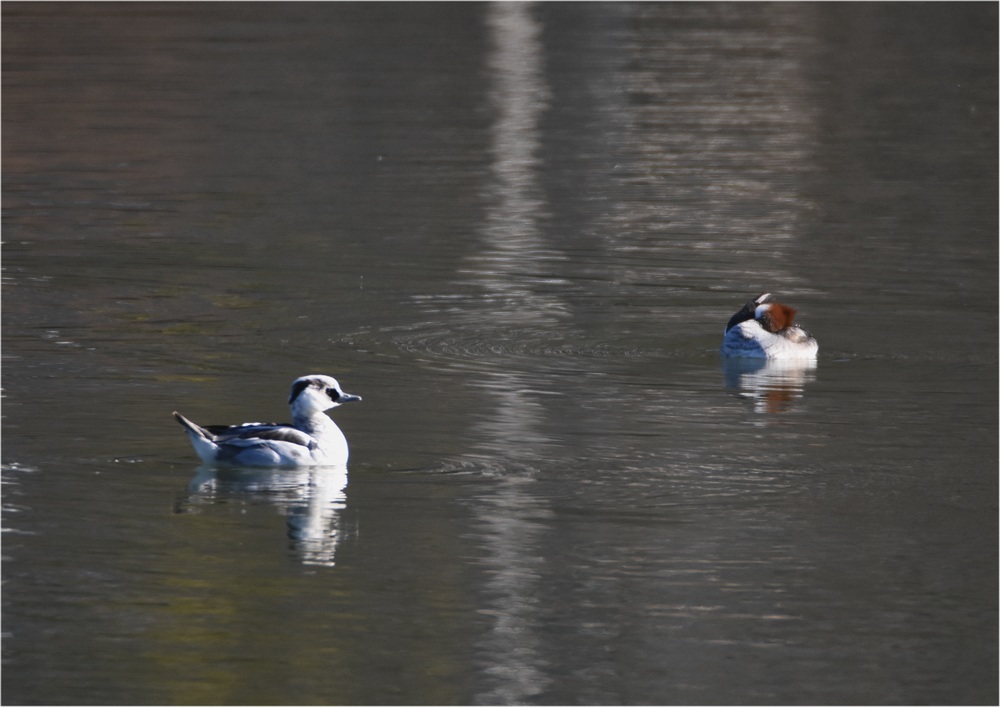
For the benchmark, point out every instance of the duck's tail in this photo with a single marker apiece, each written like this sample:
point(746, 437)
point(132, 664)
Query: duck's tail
point(202, 440)
point(192, 428)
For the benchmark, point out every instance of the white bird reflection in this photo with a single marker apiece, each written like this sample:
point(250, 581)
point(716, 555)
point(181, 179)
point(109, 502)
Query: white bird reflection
point(772, 385)
point(312, 499)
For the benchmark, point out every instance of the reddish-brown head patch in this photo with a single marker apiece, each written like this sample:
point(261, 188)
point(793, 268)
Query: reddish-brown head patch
point(774, 317)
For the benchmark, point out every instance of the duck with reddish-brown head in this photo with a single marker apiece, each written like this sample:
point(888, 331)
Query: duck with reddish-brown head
point(764, 328)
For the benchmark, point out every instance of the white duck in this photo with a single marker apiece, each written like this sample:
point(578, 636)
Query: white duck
point(764, 329)
point(311, 439)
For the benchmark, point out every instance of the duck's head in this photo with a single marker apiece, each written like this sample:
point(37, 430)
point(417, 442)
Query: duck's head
point(774, 316)
point(749, 310)
point(316, 393)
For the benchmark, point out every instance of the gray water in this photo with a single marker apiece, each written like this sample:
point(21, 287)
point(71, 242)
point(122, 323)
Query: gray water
point(517, 231)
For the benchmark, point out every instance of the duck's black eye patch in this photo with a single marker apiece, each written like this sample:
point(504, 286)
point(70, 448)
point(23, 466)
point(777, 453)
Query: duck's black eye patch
point(333, 393)
point(297, 389)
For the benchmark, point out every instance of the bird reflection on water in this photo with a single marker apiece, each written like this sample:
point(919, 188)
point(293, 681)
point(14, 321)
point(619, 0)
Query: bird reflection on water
point(773, 385)
point(312, 500)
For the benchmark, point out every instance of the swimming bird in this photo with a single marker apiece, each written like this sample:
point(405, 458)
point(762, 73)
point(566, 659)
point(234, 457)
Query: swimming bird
point(311, 439)
point(764, 329)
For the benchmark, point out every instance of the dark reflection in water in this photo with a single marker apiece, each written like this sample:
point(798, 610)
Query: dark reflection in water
point(518, 230)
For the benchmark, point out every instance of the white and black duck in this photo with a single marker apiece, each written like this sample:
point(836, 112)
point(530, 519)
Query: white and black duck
point(311, 439)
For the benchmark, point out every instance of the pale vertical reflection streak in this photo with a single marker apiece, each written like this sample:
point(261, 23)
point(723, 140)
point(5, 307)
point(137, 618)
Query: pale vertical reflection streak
point(507, 270)
point(508, 266)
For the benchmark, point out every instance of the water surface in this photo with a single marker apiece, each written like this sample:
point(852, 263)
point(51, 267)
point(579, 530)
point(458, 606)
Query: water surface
point(517, 231)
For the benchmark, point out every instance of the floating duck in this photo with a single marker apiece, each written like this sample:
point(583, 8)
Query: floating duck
point(765, 329)
point(311, 439)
